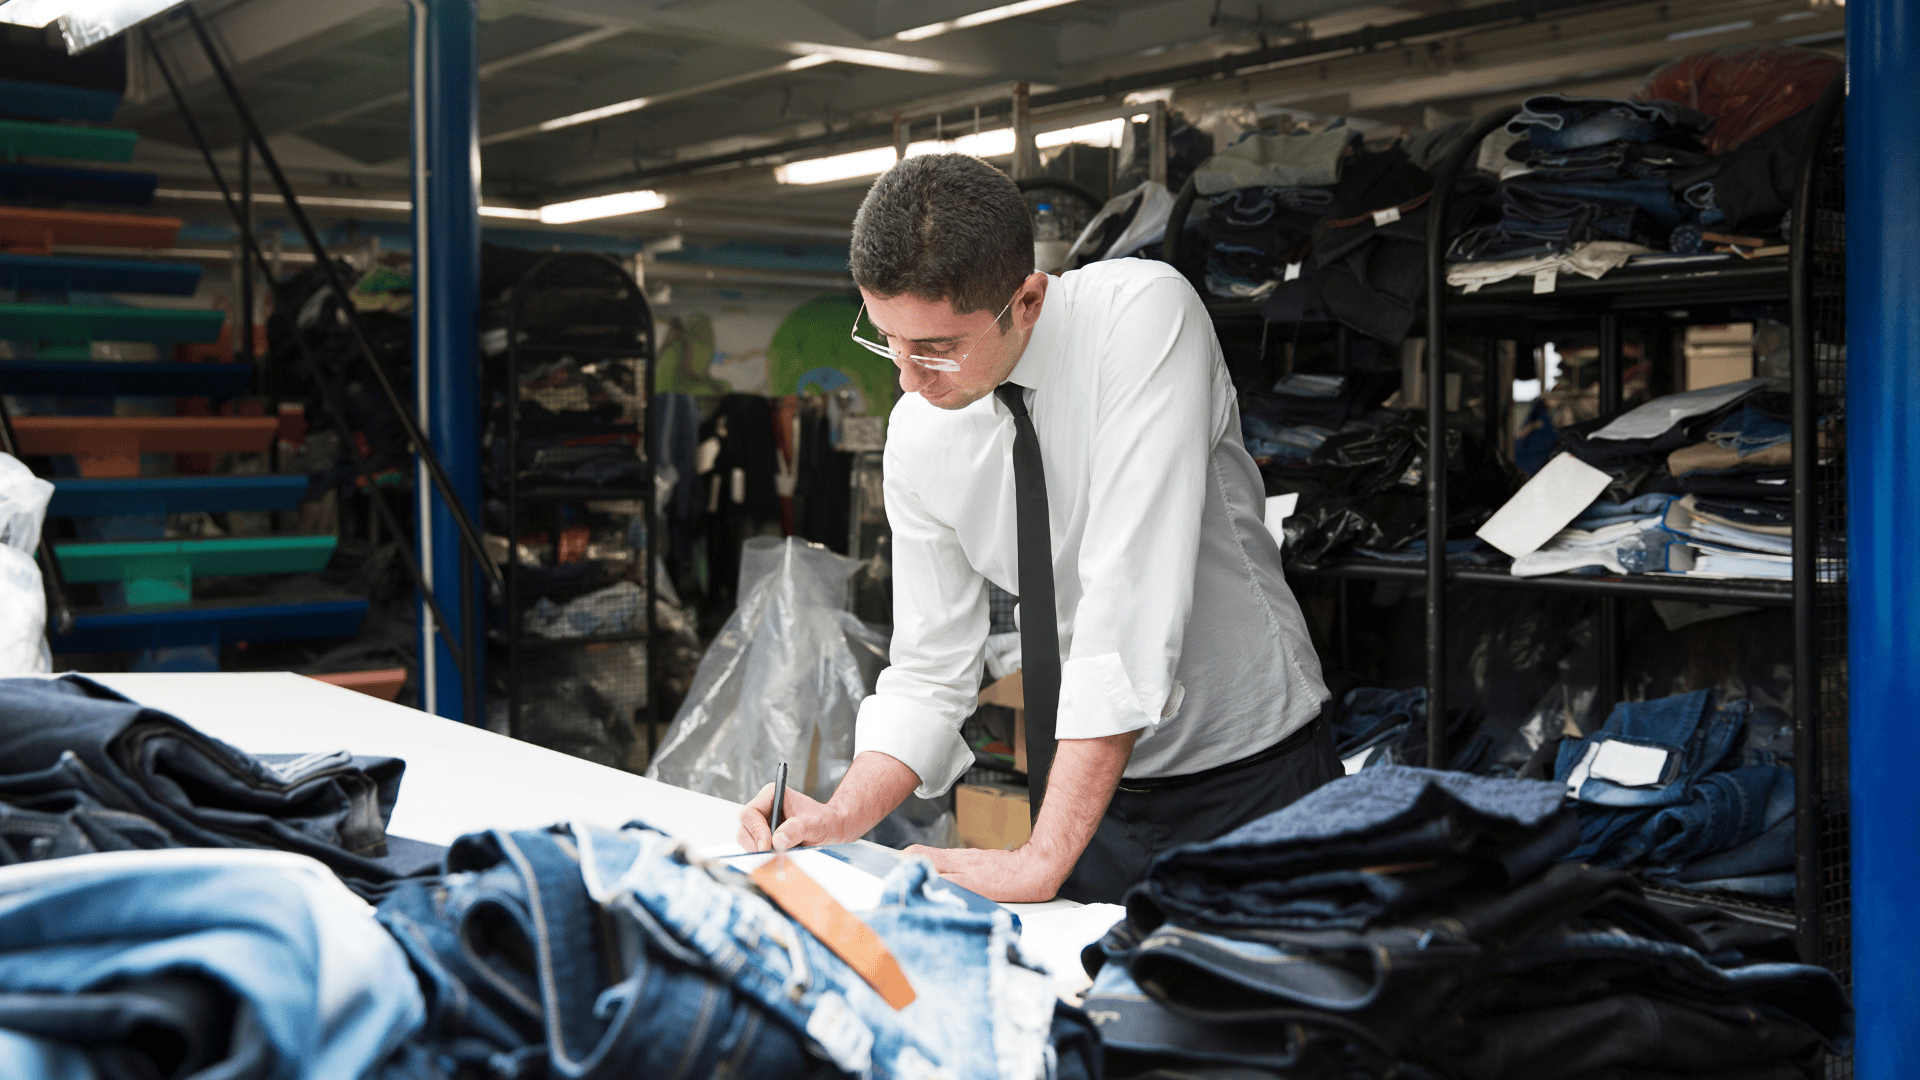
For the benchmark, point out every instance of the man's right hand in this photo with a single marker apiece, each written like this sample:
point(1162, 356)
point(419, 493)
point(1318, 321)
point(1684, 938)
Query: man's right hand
point(808, 823)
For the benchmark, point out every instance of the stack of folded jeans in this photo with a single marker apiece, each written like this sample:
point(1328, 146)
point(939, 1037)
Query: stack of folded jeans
point(592, 954)
point(1706, 478)
point(1415, 924)
point(1318, 227)
point(82, 769)
point(1670, 785)
point(1375, 727)
point(1289, 422)
point(230, 964)
point(1591, 169)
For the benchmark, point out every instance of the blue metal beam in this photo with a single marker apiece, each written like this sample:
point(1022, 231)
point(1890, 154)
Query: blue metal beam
point(1883, 499)
point(446, 246)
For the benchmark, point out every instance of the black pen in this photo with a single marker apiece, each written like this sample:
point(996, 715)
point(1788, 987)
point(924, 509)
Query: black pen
point(779, 803)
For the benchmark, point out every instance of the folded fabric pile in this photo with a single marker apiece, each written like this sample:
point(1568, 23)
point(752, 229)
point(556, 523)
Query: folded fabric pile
point(1292, 420)
point(1414, 924)
point(1589, 170)
point(1702, 486)
point(594, 954)
point(83, 769)
point(1363, 488)
point(1701, 164)
point(1319, 227)
point(1671, 785)
point(239, 964)
point(1375, 727)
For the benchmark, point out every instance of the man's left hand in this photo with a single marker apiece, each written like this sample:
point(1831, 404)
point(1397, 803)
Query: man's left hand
point(1021, 876)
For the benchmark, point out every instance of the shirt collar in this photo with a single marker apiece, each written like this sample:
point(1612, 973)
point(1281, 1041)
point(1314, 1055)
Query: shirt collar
point(1041, 360)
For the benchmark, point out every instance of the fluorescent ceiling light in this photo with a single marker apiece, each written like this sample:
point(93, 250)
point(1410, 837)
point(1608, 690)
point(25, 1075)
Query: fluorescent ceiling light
point(619, 108)
point(978, 18)
point(1103, 133)
point(34, 13)
point(838, 167)
point(866, 57)
point(600, 206)
point(510, 212)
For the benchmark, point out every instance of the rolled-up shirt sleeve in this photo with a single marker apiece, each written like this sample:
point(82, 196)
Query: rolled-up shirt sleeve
point(1150, 453)
point(939, 637)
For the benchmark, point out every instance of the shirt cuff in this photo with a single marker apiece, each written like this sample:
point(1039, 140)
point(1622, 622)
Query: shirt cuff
point(1097, 699)
point(917, 737)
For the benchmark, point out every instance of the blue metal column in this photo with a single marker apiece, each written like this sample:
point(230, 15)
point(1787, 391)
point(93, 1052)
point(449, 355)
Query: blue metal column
point(446, 248)
point(1883, 531)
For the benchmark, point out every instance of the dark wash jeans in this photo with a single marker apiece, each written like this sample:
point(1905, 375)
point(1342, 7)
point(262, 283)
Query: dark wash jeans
point(1146, 818)
point(1315, 864)
point(108, 774)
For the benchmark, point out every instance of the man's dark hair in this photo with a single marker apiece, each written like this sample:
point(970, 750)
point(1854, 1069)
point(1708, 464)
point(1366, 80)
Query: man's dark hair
point(943, 227)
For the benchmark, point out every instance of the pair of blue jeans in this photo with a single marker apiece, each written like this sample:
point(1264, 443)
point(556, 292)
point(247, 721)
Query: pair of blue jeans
point(199, 963)
point(1555, 122)
point(126, 776)
point(589, 953)
point(1316, 863)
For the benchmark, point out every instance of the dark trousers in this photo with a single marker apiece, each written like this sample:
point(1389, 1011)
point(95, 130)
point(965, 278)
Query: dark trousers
point(1147, 817)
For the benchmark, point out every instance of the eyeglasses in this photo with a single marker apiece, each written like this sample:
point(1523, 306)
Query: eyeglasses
point(935, 363)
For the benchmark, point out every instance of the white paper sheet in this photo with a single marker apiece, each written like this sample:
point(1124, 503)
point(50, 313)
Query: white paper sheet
point(1278, 507)
point(1548, 502)
point(1053, 940)
point(1661, 413)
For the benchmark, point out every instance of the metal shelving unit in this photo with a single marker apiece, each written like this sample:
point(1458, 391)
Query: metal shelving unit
point(587, 309)
point(1811, 280)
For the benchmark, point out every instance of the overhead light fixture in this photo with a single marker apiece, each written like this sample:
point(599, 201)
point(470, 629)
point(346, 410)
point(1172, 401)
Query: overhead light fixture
point(619, 108)
point(981, 144)
point(34, 13)
point(868, 58)
point(978, 18)
point(513, 212)
point(1103, 133)
point(838, 167)
point(601, 206)
point(83, 23)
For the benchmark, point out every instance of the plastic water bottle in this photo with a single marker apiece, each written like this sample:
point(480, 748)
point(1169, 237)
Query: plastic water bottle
point(1050, 243)
point(1046, 224)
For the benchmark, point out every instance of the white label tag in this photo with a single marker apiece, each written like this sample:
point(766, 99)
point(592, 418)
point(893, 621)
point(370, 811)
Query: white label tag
point(1544, 281)
point(1293, 272)
point(845, 1037)
point(1628, 764)
point(1580, 771)
point(1386, 217)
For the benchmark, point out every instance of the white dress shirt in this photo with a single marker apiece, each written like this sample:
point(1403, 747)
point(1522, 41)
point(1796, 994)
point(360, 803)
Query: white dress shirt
point(1175, 618)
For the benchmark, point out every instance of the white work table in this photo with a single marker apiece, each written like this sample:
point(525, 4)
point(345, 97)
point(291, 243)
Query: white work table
point(462, 779)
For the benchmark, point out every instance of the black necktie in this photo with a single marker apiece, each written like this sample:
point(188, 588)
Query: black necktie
point(1039, 629)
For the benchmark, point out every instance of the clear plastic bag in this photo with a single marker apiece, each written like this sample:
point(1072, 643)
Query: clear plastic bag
point(782, 681)
point(23, 599)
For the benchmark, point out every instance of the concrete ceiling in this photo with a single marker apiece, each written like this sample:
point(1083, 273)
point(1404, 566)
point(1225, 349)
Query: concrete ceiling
point(684, 81)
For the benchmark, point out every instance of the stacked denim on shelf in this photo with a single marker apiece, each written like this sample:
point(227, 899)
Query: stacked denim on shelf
point(1375, 727)
point(1675, 786)
point(1318, 227)
point(1420, 925)
point(1702, 487)
point(1591, 169)
point(585, 953)
point(1301, 412)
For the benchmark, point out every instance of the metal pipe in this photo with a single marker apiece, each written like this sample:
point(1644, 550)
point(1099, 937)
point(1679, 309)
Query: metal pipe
point(245, 350)
point(1883, 517)
point(470, 535)
point(1436, 463)
point(1607, 689)
point(1025, 155)
point(329, 400)
point(1806, 543)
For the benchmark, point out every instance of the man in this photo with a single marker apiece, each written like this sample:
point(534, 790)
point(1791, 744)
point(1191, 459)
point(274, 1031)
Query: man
point(1187, 691)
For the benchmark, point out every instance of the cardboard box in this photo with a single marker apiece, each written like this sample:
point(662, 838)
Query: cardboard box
point(1009, 693)
point(992, 815)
